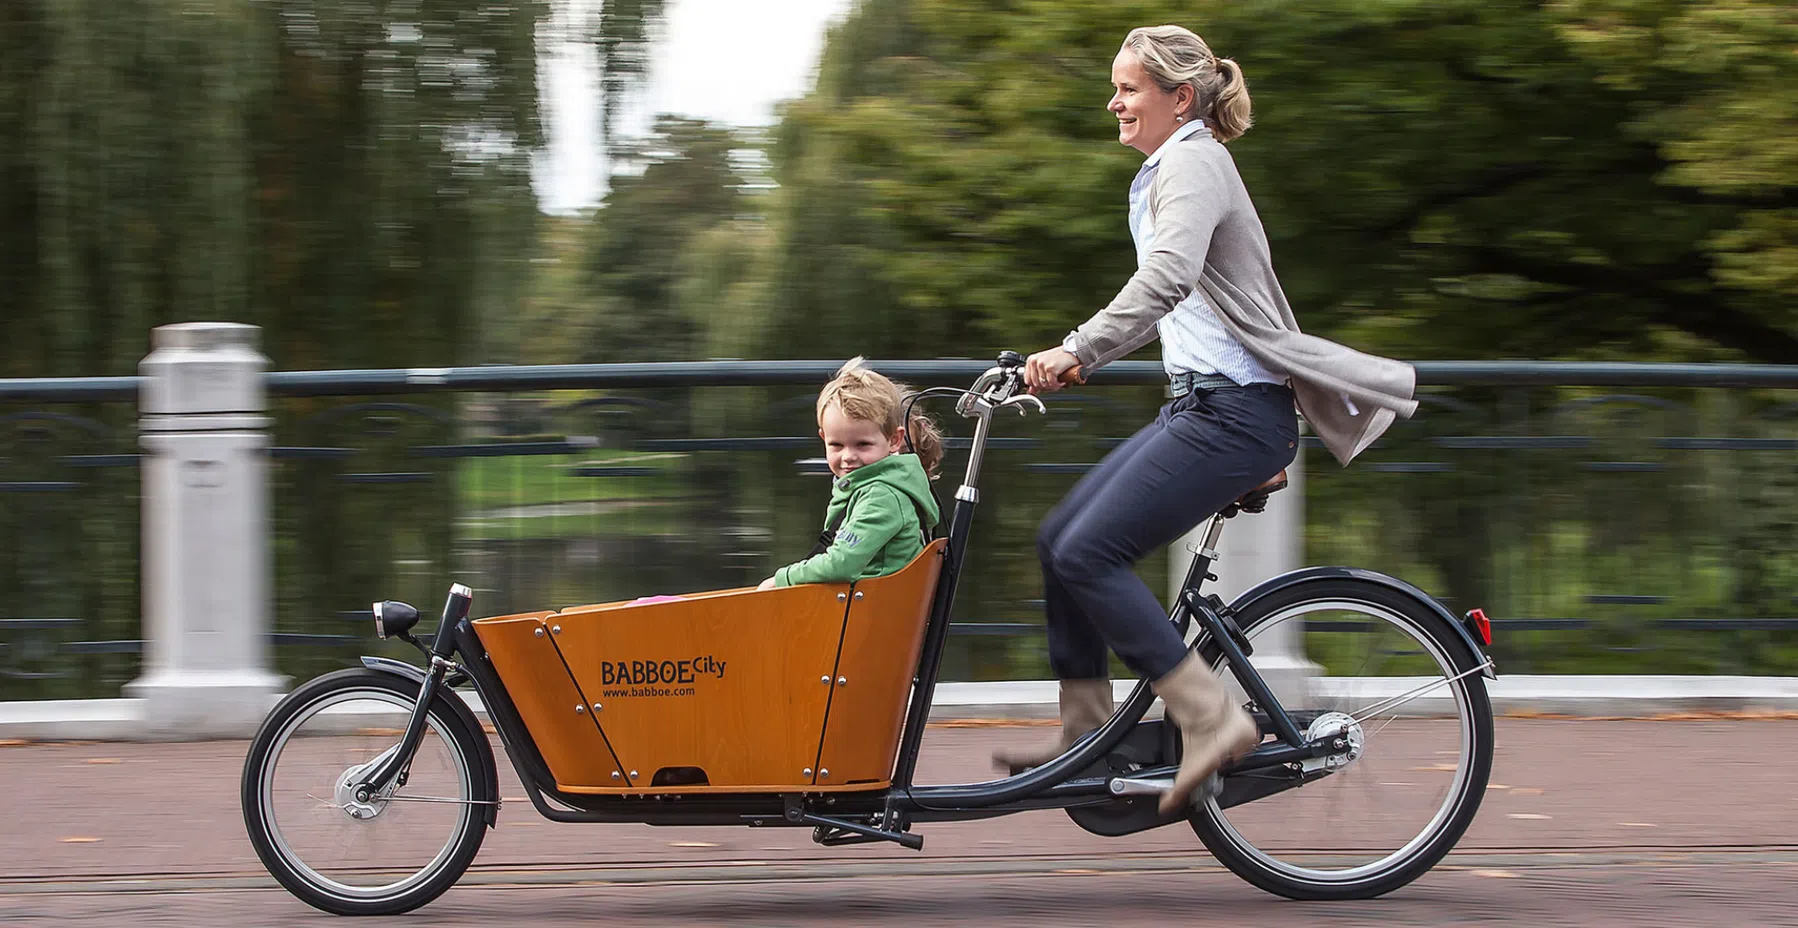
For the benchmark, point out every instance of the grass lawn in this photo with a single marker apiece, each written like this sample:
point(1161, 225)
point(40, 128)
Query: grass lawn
point(485, 484)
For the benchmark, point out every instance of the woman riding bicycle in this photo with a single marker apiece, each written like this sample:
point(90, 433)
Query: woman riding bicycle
point(1237, 363)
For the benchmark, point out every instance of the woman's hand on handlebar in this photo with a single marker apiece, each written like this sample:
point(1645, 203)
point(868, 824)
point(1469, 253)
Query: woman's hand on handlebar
point(1047, 371)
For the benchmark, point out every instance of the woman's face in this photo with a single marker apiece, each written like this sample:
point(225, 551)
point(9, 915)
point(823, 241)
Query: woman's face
point(1145, 112)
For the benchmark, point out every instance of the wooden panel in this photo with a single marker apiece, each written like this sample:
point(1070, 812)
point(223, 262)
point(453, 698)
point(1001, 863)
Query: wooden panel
point(882, 637)
point(540, 687)
point(729, 683)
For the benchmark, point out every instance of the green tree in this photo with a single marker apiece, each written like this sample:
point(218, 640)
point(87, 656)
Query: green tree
point(1439, 177)
point(352, 176)
point(675, 184)
point(1715, 88)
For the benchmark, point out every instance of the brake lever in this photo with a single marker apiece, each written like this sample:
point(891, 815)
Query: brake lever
point(1022, 400)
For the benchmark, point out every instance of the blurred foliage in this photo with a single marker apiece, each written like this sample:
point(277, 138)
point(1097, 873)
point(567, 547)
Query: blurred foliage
point(1717, 89)
point(623, 38)
point(352, 175)
point(1440, 178)
point(638, 242)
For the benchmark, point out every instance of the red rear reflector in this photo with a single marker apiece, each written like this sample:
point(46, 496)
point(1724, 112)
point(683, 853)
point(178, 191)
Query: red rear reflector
point(1480, 625)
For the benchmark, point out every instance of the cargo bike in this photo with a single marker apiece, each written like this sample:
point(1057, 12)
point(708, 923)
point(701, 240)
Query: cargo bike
point(369, 790)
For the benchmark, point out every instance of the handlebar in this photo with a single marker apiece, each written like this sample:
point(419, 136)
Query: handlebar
point(1004, 381)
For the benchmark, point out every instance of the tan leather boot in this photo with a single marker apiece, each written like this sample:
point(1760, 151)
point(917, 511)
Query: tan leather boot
point(1213, 729)
point(1085, 705)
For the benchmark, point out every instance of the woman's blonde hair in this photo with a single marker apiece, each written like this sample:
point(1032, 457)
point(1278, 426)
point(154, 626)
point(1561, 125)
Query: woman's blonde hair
point(1175, 55)
point(865, 394)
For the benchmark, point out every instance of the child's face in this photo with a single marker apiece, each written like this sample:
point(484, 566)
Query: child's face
point(851, 443)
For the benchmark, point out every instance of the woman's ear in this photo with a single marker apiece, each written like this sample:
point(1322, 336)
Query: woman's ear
point(1183, 101)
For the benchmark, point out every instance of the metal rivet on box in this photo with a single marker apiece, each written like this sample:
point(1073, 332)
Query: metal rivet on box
point(578, 708)
point(539, 631)
point(842, 681)
point(858, 594)
point(806, 772)
point(616, 774)
point(823, 772)
point(841, 597)
point(556, 630)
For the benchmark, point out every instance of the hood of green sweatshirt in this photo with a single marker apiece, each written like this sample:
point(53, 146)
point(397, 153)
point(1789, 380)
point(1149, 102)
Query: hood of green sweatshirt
point(902, 472)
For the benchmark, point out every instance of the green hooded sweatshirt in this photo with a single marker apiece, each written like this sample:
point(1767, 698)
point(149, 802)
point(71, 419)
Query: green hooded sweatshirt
point(879, 533)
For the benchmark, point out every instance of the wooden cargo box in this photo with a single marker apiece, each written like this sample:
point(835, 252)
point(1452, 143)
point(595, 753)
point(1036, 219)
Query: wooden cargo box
point(798, 688)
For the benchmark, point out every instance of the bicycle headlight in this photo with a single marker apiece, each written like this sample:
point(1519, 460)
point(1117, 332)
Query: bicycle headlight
point(394, 618)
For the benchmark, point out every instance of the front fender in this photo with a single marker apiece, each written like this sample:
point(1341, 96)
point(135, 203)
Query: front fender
point(457, 705)
point(397, 668)
point(1306, 574)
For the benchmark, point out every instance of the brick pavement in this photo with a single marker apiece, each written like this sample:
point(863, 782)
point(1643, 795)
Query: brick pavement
point(88, 810)
point(1743, 894)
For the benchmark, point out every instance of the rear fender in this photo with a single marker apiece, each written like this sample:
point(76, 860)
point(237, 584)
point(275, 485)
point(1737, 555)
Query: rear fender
point(489, 769)
point(1307, 574)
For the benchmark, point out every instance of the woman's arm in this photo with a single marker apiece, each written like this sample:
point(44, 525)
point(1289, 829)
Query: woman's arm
point(1187, 202)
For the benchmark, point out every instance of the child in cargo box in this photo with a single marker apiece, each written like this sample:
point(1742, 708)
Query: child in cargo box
point(881, 467)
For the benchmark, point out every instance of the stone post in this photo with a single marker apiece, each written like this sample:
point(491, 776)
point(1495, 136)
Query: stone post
point(206, 545)
point(1253, 548)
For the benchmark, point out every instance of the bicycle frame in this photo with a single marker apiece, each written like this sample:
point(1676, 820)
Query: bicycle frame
point(1079, 777)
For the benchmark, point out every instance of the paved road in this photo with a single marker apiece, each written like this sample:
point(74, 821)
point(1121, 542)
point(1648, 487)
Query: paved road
point(1587, 823)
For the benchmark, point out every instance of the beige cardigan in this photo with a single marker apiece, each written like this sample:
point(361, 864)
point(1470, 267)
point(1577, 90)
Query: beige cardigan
point(1207, 234)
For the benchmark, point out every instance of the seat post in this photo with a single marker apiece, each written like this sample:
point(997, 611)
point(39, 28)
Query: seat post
point(1204, 555)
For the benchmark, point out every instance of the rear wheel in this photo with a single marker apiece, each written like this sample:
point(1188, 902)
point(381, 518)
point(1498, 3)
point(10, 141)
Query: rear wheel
point(392, 853)
point(1385, 810)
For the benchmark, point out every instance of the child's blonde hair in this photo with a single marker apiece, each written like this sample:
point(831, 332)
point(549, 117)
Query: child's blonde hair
point(865, 394)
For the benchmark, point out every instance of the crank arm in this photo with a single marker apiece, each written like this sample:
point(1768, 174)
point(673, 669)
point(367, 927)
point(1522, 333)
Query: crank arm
point(1273, 754)
point(1229, 790)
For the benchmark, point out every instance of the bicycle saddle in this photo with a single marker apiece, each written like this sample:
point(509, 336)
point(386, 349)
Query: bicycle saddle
point(1256, 500)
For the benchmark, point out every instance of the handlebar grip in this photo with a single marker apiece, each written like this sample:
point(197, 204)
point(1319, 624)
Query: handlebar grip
point(1075, 374)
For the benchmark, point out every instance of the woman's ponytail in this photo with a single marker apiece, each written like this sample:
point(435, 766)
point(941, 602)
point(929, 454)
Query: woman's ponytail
point(1230, 114)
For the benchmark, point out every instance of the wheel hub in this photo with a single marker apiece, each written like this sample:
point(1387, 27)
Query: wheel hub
point(356, 802)
point(1347, 741)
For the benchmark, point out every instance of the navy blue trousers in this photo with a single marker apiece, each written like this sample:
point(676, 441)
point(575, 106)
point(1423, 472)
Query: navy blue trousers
point(1203, 451)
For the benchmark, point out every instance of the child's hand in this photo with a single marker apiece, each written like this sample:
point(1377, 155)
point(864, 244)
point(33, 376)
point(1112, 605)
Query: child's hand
point(767, 584)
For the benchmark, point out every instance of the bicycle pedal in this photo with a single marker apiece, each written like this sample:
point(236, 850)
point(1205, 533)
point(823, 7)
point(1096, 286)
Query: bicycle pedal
point(1212, 788)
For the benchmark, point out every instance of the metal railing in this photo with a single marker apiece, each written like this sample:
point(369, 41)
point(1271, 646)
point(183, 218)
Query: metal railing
point(1647, 530)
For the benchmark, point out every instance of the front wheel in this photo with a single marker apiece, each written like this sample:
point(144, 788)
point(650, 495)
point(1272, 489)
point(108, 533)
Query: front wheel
point(1384, 811)
point(392, 853)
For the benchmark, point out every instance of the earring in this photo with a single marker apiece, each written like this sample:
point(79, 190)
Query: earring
point(1179, 118)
